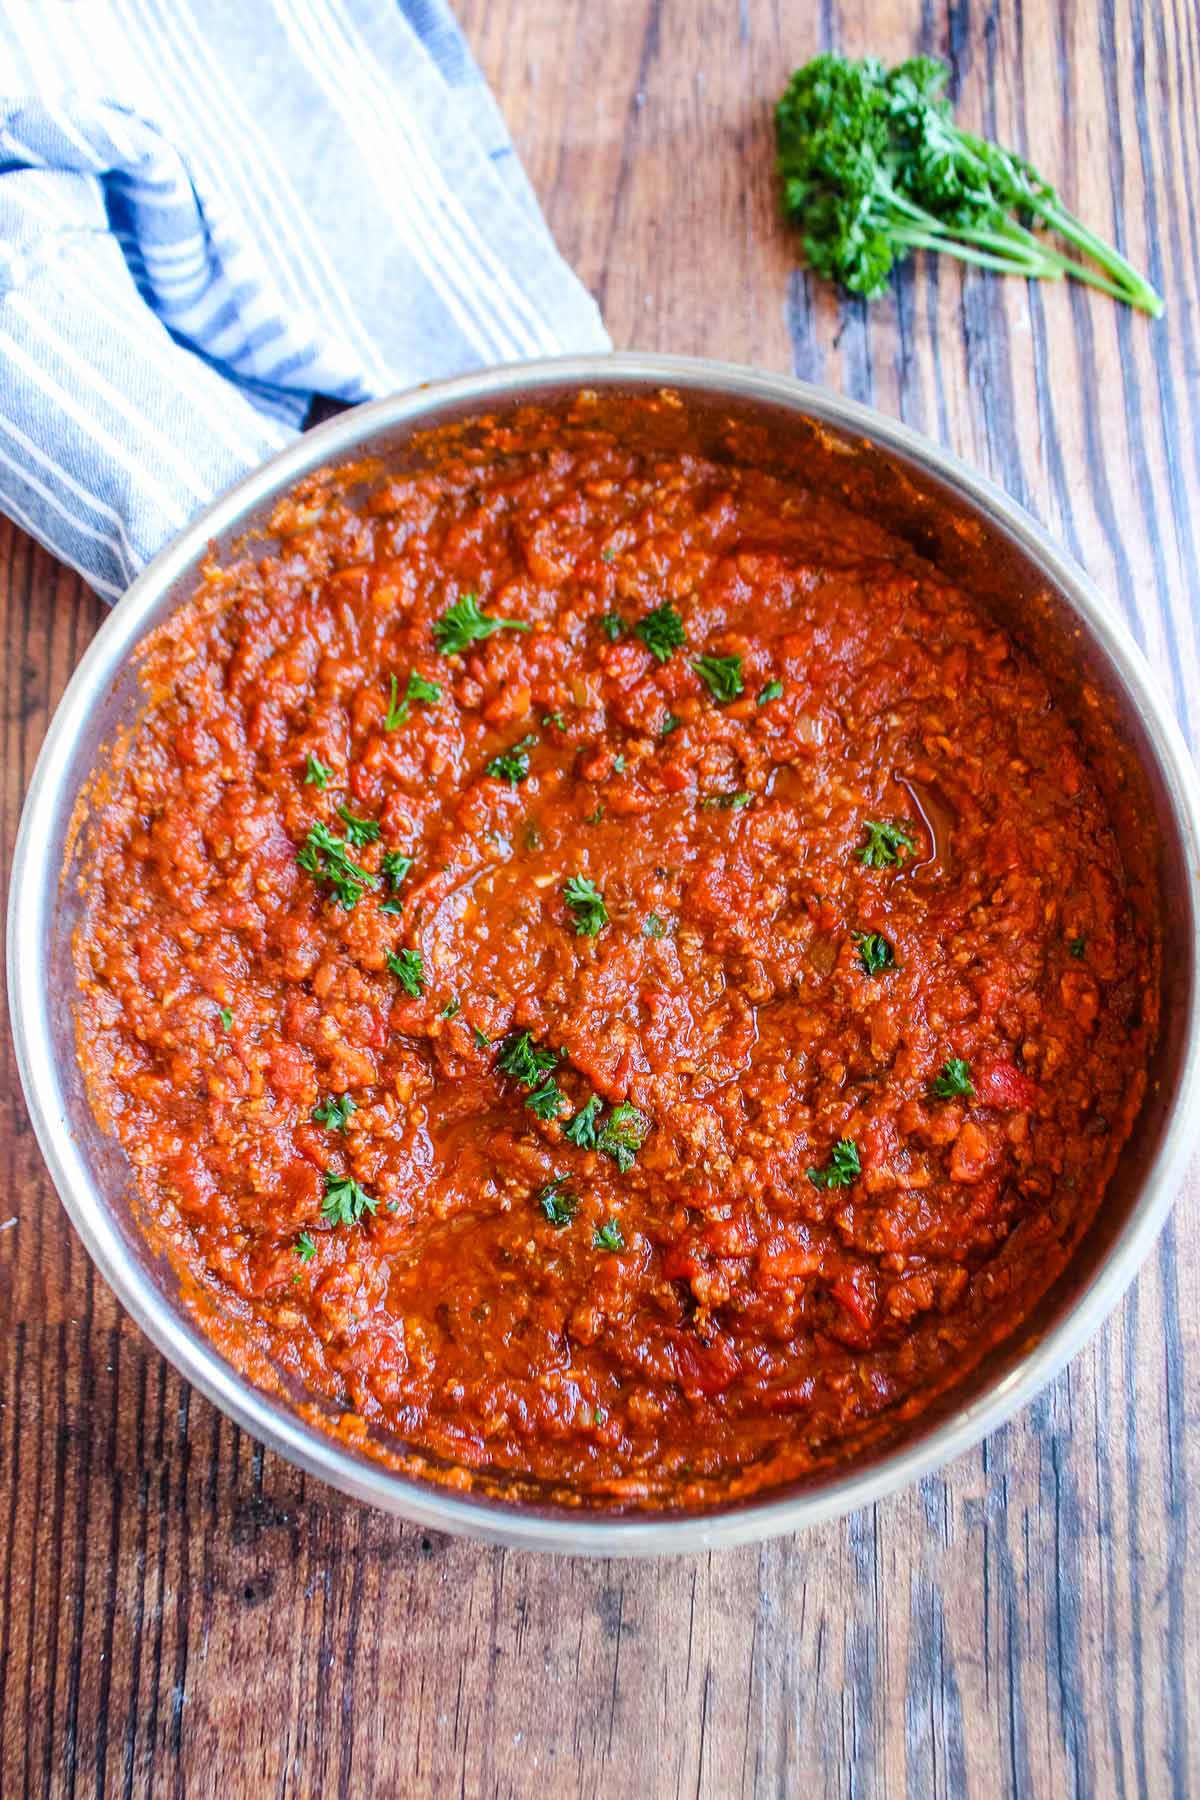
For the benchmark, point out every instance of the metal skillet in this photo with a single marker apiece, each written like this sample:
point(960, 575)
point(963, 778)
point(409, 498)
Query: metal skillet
point(954, 517)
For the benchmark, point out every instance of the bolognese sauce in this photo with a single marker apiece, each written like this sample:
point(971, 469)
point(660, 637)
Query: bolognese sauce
point(611, 972)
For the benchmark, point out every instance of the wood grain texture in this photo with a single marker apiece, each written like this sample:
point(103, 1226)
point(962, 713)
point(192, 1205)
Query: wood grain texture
point(182, 1613)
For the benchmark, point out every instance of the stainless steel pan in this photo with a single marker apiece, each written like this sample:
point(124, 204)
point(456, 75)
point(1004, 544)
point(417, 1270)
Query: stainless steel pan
point(967, 526)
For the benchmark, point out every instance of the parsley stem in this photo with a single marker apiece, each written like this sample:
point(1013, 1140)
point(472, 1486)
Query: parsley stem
point(1123, 283)
point(1049, 265)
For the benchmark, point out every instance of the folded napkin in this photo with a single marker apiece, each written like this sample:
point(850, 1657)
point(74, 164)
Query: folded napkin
point(213, 210)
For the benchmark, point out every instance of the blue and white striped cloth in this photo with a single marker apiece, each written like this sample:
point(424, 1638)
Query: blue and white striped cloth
point(212, 210)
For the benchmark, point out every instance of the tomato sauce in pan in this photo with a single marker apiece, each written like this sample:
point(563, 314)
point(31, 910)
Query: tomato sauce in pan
point(612, 974)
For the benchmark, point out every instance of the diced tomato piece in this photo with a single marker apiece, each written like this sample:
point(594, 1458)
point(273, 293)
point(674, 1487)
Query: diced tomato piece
point(680, 1262)
point(290, 1071)
point(1000, 1084)
point(848, 1295)
point(706, 1368)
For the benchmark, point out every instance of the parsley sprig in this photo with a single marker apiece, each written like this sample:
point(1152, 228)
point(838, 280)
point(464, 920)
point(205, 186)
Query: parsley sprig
point(464, 623)
point(395, 867)
point(622, 1134)
point(360, 832)
point(587, 903)
point(345, 1201)
point(887, 844)
point(722, 675)
point(523, 1060)
point(547, 1099)
point(620, 1137)
point(417, 689)
point(874, 952)
point(662, 632)
point(954, 1082)
point(874, 167)
point(409, 970)
point(512, 765)
point(316, 773)
point(557, 1202)
point(334, 1113)
point(327, 859)
point(582, 1128)
point(842, 1168)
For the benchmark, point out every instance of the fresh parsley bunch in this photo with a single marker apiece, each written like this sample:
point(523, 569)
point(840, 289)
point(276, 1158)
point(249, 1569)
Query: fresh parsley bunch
point(873, 166)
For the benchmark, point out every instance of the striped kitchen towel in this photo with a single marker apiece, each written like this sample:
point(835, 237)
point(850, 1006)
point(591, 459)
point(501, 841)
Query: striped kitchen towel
point(213, 210)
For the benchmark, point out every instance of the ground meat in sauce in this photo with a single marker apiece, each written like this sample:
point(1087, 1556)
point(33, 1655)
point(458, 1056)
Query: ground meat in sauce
point(718, 1316)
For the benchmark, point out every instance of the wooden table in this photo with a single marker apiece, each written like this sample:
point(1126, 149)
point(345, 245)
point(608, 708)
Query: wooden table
point(185, 1614)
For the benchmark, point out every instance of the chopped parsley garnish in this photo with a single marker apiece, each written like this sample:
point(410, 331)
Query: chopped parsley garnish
point(391, 906)
point(594, 818)
point(226, 1018)
point(524, 1060)
point(420, 689)
point(653, 926)
point(772, 691)
point(334, 1112)
point(345, 1201)
point(306, 1249)
point(619, 764)
point(728, 802)
point(530, 1064)
point(463, 624)
point(670, 723)
point(582, 1128)
point(954, 1080)
point(557, 1202)
point(874, 951)
point(556, 719)
point(452, 1008)
point(407, 967)
point(608, 1236)
point(622, 1134)
point(722, 676)
point(316, 773)
point(546, 1101)
point(326, 858)
point(359, 832)
point(662, 632)
point(1078, 946)
point(587, 903)
point(613, 626)
point(417, 689)
point(887, 844)
point(396, 713)
point(842, 1168)
point(395, 867)
point(481, 1038)
point(513, 765)
point(608, 554)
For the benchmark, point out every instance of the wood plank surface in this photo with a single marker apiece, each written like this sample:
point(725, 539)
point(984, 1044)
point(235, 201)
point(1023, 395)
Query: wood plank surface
point(184, 1614)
